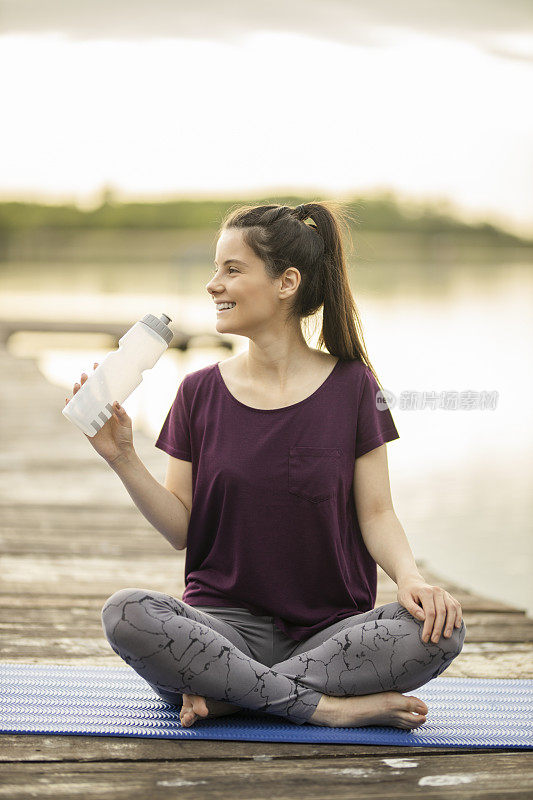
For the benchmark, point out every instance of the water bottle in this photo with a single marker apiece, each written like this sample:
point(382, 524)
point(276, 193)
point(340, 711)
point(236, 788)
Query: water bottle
point(119, 374)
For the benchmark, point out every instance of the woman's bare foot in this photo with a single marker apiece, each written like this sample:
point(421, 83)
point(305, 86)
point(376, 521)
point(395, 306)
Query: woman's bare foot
point(384, 708)
point(194, 706)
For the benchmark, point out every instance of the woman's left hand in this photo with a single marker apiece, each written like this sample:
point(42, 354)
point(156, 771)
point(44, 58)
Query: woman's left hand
point(439, 608)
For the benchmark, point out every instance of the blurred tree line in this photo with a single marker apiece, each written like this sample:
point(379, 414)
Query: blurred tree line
point(379, 213)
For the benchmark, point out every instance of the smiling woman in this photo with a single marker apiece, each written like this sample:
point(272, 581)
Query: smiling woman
point(284, 456)
point(287, 270)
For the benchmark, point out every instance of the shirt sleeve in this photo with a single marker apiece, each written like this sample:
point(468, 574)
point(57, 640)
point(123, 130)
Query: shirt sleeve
point(375, 425)
point(174, 437)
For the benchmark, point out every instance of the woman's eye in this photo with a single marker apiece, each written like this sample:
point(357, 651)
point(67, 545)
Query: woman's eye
point(229, 270)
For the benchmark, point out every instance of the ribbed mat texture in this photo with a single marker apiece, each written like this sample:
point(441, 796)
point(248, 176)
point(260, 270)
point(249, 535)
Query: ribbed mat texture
point(115, 701)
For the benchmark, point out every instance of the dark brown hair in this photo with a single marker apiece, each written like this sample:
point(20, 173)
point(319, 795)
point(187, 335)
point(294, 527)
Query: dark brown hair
point(280, 237)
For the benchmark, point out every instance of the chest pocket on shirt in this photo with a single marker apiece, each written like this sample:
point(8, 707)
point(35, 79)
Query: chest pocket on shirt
point(314, 472)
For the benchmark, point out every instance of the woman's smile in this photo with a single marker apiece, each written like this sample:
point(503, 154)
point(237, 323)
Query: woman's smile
point(223, 310)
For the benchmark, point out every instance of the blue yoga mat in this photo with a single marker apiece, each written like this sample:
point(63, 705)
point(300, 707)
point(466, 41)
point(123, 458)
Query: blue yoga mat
point(115, 701)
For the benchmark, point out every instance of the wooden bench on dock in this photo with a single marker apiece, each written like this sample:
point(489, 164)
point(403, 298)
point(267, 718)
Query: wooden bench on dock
point(71, 536)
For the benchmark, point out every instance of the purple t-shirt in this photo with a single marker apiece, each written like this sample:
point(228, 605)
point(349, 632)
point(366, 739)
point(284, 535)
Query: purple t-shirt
point(273, 524)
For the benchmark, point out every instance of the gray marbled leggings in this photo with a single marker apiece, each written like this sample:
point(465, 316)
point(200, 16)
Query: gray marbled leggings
point(225, 654)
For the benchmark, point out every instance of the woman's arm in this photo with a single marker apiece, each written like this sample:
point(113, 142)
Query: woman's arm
point(387, 543)
point(382, 531)
point(164, 510)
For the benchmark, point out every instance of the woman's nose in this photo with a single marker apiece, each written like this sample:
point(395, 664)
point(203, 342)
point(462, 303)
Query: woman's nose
point(210, 286)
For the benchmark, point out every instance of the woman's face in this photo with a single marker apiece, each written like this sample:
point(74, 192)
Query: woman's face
point(239, 277)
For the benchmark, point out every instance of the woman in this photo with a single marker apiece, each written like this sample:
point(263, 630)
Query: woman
point(278, 487)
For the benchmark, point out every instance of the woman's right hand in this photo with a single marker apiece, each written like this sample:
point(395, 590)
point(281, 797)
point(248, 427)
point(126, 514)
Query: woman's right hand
point(114, 440)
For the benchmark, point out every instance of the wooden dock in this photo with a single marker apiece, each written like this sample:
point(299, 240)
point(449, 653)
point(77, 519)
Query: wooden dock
point(181, 340)
point(71, 536)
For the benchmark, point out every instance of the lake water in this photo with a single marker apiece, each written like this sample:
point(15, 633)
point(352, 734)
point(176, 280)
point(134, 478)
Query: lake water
point(460, 477)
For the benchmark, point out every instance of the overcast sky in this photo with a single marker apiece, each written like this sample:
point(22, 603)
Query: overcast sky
point(172, 98)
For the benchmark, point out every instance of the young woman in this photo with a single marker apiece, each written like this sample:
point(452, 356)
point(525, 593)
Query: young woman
point(278, 486)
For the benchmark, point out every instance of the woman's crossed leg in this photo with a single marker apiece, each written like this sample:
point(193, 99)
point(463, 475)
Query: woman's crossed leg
point(376, 654)
point(376, 651)
point(178, 649)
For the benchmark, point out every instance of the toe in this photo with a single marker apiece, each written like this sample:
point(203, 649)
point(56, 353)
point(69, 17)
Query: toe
point(415, 704)
point(200, 707)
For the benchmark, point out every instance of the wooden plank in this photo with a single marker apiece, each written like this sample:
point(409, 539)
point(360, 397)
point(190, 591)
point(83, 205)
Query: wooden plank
point(42, 748)
point(493, 660)
point(465, 775)
point(180, 341)
point(88, 564)
point(67, 600)
point(46, 621)
point(481, 626)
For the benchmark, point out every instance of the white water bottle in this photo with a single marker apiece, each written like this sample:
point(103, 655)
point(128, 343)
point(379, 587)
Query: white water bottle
point(119, 374)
